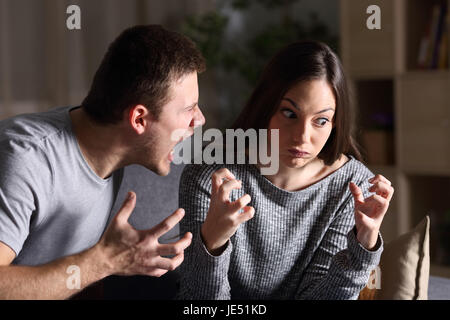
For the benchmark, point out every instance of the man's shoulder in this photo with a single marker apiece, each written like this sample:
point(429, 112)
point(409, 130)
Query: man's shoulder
point(26, 132)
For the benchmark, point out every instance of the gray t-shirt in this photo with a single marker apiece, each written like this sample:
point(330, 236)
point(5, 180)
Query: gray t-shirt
point(52, 204)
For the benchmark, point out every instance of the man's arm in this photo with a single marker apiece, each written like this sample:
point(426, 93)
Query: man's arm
point(48, 281)
point(122, 250)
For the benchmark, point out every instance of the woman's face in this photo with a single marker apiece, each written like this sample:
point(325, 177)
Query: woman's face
point(305, 118)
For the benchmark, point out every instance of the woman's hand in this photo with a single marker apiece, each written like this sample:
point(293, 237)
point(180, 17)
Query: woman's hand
point(369, 212)
point(224, 217)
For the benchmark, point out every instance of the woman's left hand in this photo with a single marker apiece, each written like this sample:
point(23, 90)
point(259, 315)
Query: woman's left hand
point(369, 212)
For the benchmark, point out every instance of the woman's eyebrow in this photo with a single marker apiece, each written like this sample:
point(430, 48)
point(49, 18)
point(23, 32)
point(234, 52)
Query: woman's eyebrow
point(325, 110)
point(292, 102)
point(298, 108)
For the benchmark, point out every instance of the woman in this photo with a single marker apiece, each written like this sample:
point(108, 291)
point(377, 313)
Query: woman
point(310, 231)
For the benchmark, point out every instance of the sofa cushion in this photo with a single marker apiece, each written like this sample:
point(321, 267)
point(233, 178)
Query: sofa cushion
point(404, 267)
point(156, 199)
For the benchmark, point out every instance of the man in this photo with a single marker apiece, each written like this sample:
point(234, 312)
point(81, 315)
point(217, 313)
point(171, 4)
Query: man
point(60, 171)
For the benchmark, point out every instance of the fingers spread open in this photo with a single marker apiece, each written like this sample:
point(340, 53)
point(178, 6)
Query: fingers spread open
point(226, 188)
point(375, 205)
point(167, 263)
point(176, 247)
point(167, 224)
point(356, 192)
point(241, 202)
point(383, 189)
point(127, 208)
point(218, 176)
point(379, 177)
point(247, 214)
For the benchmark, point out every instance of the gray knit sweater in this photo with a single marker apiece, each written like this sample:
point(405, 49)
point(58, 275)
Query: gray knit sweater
point(298, 245)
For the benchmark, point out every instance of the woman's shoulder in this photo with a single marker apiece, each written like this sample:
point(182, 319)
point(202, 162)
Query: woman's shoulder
point(355, 170)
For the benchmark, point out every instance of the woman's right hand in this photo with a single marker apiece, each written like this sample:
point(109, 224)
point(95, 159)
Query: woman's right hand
point(224, 216)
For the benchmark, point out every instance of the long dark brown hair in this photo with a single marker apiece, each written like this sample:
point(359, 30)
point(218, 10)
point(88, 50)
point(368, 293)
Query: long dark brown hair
point(303, 61)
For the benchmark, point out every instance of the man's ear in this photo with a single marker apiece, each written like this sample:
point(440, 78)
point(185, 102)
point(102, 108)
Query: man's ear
point(140, 118)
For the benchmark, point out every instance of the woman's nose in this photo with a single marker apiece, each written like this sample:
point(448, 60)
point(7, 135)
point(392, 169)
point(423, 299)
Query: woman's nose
point(301, 133)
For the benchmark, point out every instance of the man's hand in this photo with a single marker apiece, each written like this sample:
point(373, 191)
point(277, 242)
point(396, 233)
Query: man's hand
point(224, 217)
point(128, 251)
point(369, 212)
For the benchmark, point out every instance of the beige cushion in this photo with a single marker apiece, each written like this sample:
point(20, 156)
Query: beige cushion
point(404, 268)
point(405, 265)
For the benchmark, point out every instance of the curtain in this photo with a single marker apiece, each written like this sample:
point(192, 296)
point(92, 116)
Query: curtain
point(43, 64)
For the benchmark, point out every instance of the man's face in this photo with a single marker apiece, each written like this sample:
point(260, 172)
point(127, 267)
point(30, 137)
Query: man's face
point(181, 113)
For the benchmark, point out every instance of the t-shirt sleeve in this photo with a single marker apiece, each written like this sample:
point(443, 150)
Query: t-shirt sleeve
point(19, 188)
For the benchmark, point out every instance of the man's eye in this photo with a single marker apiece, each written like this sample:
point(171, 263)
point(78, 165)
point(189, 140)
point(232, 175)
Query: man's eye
point(288, 113)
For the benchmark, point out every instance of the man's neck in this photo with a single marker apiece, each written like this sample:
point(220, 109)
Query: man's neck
point(100, 145)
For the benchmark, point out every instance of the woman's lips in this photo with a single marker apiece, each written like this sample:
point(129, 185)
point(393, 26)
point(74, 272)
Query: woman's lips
point(298, 153)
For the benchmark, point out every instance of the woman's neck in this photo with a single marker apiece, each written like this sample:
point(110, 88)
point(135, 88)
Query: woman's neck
point(295, 179)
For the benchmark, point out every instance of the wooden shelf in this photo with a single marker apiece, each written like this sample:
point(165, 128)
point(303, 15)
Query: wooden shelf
point(417, 24)
point(361, 52)
point(423, 121)
point(385, 76)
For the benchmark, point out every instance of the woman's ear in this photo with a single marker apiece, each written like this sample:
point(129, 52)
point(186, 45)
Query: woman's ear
point(140, 118)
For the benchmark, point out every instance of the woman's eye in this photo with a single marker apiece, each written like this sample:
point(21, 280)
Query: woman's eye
point(322, 121)
point(288, 113)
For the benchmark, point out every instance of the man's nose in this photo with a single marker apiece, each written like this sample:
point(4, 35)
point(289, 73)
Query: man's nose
point(198, 119)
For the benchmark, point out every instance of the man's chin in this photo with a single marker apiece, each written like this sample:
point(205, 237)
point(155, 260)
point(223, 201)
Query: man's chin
point(160, 170)
point(163, 169)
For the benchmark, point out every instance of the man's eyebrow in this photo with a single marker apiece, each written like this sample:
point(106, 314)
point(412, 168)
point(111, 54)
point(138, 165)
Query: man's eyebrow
point(192, 105)
point(298, 108)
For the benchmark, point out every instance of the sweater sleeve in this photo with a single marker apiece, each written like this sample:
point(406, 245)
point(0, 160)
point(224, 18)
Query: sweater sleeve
point(203, 276)
point(341, 266)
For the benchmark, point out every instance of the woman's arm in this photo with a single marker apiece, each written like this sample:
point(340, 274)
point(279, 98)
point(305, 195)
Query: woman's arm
point(342, 264)
point(212, 219)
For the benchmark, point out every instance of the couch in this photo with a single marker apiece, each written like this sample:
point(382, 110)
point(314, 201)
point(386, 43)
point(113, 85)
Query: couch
point(157, 197)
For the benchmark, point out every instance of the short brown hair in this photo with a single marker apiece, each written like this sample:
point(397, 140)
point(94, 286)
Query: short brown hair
point(303, 61)
point(138, 68)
